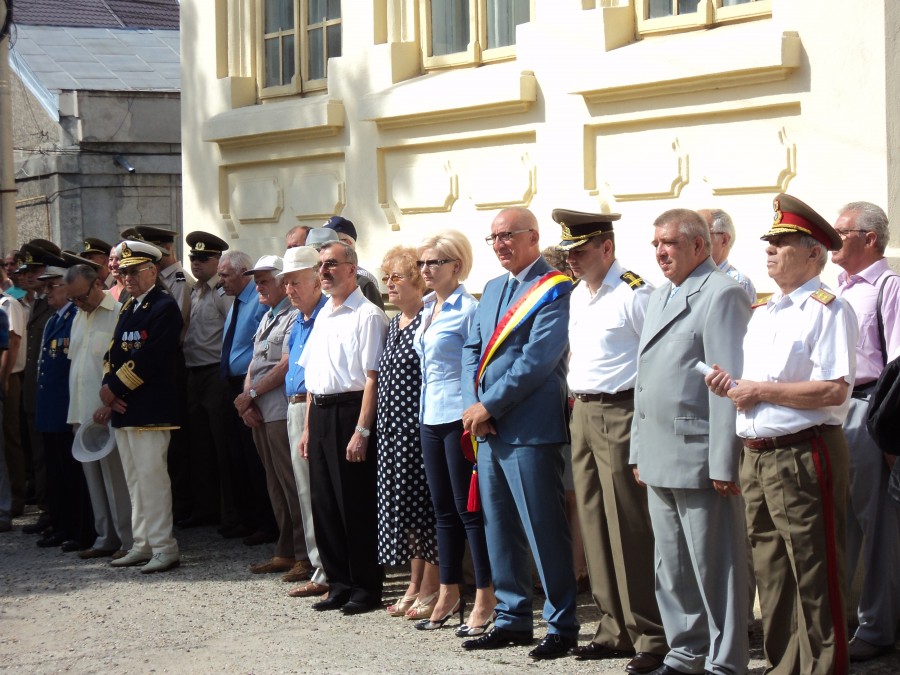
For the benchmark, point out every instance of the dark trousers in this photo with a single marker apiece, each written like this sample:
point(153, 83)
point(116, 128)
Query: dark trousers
point(212, 492)
point(251, 498)
point(12, 436)
point(449, 475)
point(67, 494)
point(344, 504)
point(178, 458)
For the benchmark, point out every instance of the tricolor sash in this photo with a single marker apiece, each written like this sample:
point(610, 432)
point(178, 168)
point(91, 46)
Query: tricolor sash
point(544, 291)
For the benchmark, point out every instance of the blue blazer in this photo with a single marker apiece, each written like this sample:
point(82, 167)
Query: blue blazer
point(524, 385)
point(52, 398)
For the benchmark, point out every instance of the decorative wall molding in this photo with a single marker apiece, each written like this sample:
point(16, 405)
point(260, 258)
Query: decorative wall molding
point(256, 201)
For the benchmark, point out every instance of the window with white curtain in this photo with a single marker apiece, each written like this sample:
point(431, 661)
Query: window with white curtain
point(298, 37)
point(471, 31)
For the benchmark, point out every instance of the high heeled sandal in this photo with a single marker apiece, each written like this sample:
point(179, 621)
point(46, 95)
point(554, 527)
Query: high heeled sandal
point(422, 607)
point(400, 607)
point(474, 631)
point(428, 624)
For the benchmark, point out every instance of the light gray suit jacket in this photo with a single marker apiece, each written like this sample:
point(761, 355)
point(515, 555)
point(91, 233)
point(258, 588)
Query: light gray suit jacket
point(683, 435)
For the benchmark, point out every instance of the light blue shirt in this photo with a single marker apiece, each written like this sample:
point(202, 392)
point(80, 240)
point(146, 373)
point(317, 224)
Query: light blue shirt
point(439, 346)
point(295, 380)
point(739, 277)
point(248, 320)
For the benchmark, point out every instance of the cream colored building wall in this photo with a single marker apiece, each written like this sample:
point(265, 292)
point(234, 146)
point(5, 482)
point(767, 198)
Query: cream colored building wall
point(586, 116)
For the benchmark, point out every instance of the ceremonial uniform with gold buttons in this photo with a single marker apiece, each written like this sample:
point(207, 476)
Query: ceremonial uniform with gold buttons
point(140, 370)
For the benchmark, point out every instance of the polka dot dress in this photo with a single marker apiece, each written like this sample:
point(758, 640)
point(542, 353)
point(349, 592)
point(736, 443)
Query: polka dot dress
point(406, 527)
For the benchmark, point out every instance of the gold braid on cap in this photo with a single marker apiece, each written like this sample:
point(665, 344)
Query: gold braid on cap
point(568, 236)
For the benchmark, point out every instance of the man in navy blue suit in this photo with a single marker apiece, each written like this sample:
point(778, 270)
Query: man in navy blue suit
point(516, 407)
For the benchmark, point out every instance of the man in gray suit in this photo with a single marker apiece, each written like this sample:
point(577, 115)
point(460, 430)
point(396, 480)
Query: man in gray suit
point(685, 450)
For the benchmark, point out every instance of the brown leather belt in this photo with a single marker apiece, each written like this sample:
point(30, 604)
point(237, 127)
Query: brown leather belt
point(626, 395)
point(332, 399)
point(787, 439)
point(297, 398)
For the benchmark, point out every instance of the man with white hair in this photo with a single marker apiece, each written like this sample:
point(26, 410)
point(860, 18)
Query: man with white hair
point(722, 234)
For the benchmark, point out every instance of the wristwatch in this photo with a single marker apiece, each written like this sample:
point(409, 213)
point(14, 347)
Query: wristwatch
point(362, 431)
point(252, 393)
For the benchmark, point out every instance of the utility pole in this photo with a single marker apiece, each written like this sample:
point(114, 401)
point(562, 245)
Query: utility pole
point(8, 229)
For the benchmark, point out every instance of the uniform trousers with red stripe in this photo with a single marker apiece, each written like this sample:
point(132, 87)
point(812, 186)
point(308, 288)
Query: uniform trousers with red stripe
point(796, 499)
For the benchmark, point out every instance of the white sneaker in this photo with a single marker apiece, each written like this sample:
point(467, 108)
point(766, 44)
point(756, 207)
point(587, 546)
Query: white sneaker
point(160, 562)
point(132, 558)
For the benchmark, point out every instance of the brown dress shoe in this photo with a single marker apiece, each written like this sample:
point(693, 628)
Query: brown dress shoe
point(121, 553)
point(645, 662)
point(275, 564)
point(89, 553)
point(299, 572)
point(309, 590)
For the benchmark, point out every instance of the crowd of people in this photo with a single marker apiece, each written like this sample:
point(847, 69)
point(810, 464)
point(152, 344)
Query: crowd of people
point(673, 449)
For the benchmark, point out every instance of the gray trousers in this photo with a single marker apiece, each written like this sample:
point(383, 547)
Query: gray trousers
point(110, 502)
point(5, 487)
point(872, 531)
point(701, 579)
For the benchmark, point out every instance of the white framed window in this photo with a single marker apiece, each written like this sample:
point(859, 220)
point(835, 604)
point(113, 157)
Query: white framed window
point(470, 32)
point(656, 16)
point(296, 40)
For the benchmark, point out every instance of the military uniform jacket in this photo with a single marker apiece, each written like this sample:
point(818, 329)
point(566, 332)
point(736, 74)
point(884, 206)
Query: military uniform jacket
point(139, 367)
point(37, 319)
point(52, 397)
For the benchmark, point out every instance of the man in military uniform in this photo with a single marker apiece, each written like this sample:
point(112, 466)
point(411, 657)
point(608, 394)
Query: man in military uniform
point(792, 398)
point(137, 397)
point(97, 251)
point(171, 273)
point(211, 488)
point(67, 495)
point(606, 317)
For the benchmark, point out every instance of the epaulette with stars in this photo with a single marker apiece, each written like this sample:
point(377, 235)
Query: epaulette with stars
point(633, 280)
point(179, 276)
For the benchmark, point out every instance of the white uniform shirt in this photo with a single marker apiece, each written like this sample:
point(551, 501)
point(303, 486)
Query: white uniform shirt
point(17, 314)
point(344, 344)
point(90, 339)
point(796, 338)
point(604, 333)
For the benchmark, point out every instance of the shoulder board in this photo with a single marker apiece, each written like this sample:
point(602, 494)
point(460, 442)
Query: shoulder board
point(220, 291)
point(823, 296)
point(633, 280)
point(759, 304)
point(179, 276)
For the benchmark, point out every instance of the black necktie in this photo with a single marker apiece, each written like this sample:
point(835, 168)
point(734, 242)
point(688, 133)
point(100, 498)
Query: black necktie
point(229, 340)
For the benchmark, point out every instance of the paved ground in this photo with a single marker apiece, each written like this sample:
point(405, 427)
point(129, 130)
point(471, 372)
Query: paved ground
point(62, 614)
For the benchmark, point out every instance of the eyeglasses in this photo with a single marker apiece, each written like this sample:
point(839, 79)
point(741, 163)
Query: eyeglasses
point(843, 234)
point(130, 271)
point(502, 236)
point(433, 264)
point(394, 278)
point(331, 264)
point(80, 298)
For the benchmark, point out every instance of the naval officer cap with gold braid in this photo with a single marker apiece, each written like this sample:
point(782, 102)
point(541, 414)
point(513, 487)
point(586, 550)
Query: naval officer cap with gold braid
point(137, 252)
point(793, 216)
point(579, 227)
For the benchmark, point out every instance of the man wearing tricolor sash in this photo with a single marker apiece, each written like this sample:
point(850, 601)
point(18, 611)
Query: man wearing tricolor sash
point(514, 390)
point(792, 399)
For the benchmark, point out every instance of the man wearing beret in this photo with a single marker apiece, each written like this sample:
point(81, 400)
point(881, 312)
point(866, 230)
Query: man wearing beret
point(210, 479)
point(685, 451)
point(605, 321)
point(138, 381)
point(792, 397)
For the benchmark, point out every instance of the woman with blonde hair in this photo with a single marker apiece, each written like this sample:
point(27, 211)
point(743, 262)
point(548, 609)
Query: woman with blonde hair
point(449, 310)
point(406, 528)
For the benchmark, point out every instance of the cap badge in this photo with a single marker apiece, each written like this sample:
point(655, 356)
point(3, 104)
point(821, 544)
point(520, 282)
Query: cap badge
point(126, 252)
point(776, 204)
point(199, 246)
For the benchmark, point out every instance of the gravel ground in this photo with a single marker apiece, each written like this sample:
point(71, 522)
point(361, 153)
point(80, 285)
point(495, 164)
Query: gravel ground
point(61, 614)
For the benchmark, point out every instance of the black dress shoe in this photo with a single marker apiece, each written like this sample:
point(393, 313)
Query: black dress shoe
point(330, 603)
point(52, 540)
point(553, 646)
point(357, 607)
point(594, 652)
point(497, 638)
point(42, 525)
point(644, 662)
point(259, 537)
point(71, 545)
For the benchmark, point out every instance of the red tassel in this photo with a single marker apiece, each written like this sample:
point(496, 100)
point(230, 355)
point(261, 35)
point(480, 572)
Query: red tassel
point(474, 504)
